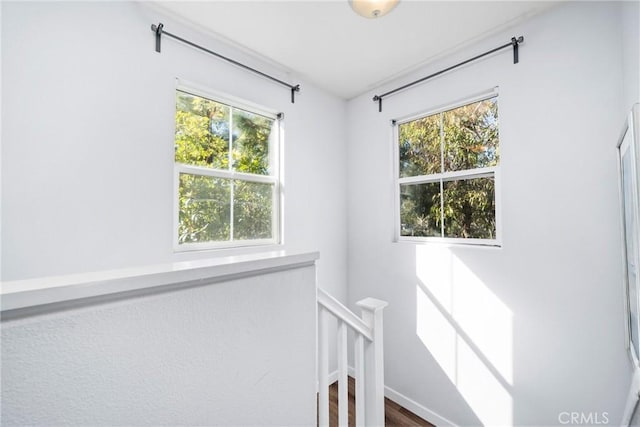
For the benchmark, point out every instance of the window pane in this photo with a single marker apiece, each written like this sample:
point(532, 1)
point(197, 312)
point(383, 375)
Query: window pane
point(419, 146)
point(471, 136)
point(252, 209)
point(469, 208)
point(202, 131)
point(251, 135)
point(204, 209)
point(420, 209)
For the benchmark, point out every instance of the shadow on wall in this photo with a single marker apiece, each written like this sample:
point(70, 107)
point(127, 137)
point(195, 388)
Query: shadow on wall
point(468, 331)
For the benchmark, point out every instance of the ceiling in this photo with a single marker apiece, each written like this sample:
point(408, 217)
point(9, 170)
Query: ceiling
point(326, 43)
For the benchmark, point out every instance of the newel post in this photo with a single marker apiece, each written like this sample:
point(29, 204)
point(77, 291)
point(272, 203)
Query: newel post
point(374, 366)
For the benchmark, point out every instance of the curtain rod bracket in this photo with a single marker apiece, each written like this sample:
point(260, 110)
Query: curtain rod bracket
point(379, 99)
point(294, 89)
point(515, 42)
point(158, 30)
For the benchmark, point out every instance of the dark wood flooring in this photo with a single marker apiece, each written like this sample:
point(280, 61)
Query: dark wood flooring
point(394, 414)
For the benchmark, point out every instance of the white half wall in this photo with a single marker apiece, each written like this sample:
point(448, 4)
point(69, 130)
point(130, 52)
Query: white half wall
point(231, 353)
point(520, 334)
point(87, 141)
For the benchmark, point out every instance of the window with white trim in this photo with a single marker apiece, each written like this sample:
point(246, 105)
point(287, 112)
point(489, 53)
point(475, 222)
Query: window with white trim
point(448, 170)
point(226, 173)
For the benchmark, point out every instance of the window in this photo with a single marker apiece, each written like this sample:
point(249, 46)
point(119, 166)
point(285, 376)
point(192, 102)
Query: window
point(226, 171)
point(447, 172)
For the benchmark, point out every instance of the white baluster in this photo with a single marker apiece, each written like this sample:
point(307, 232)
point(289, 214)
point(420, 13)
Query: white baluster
point(323, 367)
point(359, 377)
point(343, 373)
point(374, 359)
point(369, 360)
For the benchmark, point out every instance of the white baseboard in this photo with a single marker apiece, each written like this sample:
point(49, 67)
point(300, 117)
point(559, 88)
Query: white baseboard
point(417, 408)
point(405, 402)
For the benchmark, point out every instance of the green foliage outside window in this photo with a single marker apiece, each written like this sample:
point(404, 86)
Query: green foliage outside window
point(461, 139)
point(218, 137)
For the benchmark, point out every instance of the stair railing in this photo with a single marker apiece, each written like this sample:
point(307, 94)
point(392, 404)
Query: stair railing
point(368, 360)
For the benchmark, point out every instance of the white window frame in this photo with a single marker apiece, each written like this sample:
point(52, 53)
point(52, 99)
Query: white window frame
point(446, 176)
point(275, 178)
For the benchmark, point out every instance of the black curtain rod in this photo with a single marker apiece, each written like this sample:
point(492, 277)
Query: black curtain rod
point(159, 30)
point(514, 42)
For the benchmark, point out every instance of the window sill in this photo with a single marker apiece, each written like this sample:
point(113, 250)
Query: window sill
point(223, 246)
point(451, 242)
point(24, 294)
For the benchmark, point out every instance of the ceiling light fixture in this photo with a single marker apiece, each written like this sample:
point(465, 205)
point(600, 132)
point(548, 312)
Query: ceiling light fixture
point(372, 8)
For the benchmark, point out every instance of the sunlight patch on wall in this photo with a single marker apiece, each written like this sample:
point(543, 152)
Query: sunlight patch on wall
point(484, 318)
point(434, 269)
point(469, 332)
point(486, 395)
point(437, 334)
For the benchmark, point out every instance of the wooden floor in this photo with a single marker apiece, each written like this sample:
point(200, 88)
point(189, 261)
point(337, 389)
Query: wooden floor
point(395, 415)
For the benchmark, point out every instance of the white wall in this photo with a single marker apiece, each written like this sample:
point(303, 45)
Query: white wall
point(519, 334)
point(87, 141)
point(220, 354)
point(631, 52)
